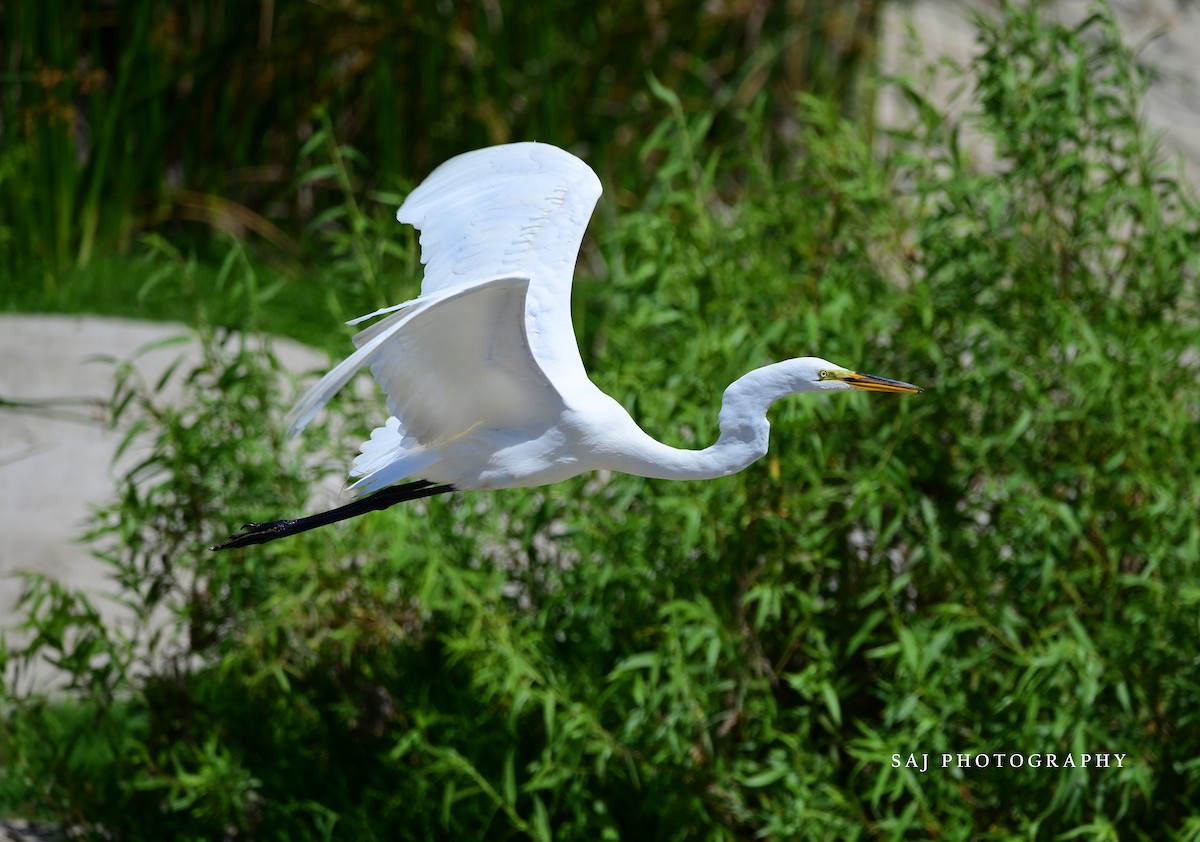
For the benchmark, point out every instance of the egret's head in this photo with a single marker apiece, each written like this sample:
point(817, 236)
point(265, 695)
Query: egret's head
point(827, 376)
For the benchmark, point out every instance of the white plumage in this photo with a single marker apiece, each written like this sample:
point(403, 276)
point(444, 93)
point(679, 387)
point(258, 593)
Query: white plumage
point(484, 383)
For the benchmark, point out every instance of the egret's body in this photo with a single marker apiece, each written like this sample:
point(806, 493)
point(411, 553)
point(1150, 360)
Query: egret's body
point(485, 386)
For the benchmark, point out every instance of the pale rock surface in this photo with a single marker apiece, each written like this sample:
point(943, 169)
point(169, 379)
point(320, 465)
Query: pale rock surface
point(56, 456)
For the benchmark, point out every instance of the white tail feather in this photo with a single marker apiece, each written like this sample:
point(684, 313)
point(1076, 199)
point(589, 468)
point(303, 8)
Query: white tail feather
point(389, 456)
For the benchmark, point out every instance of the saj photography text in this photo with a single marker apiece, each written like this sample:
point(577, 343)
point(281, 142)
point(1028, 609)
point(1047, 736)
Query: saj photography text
point(924, 761)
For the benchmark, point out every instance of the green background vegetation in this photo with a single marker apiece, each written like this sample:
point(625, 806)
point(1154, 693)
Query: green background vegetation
point(1006, 563)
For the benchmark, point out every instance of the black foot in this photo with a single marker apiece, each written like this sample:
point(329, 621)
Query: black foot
point(257, 533)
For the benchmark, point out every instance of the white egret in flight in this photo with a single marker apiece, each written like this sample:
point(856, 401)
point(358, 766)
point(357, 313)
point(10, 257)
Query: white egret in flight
point(485, 386)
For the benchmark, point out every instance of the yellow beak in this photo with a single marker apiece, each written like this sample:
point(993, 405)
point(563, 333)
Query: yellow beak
point(871, 383)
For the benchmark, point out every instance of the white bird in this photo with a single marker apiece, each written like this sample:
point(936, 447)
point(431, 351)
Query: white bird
point(485, 386)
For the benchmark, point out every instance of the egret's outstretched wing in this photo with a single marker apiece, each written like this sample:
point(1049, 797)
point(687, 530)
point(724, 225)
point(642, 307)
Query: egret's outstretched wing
point(449, 363)
point(463, 363)
point(489, 341)
point(517, 210)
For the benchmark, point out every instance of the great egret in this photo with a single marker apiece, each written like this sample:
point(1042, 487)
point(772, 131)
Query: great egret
point(484, 383)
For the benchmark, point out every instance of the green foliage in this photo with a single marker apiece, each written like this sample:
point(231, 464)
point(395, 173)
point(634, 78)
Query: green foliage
point(1005, 563)
point(119, 117)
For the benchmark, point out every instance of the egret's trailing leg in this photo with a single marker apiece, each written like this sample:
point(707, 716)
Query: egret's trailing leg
point(261, 533)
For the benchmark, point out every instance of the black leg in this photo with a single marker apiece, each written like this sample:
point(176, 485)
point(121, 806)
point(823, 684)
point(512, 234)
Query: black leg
point(261, 533)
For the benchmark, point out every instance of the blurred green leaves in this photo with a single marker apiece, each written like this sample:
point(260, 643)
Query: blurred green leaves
point(116, 118)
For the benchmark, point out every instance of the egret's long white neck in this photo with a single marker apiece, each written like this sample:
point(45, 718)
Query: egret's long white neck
point(744, 431)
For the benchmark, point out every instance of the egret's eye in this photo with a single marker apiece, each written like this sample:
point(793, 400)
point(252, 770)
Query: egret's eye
point(824, 374)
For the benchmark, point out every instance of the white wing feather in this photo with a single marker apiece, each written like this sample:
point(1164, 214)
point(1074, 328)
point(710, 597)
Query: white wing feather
point(489, 343)
point(517, 210)
point(462, 364)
